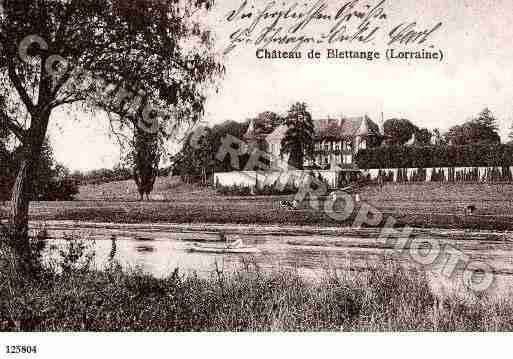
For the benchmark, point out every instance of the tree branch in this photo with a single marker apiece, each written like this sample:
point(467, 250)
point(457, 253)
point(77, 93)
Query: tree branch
point(15, 128)
point(68, 101)
point(19, 87)
point(61, 82)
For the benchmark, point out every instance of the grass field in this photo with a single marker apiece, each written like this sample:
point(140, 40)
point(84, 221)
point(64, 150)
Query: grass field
point(421, 205)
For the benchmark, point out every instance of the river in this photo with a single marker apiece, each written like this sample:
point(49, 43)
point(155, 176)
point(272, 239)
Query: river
point(159, 249)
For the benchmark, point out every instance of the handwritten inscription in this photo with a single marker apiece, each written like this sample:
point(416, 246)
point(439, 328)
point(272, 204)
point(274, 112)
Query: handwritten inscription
point(292, 25)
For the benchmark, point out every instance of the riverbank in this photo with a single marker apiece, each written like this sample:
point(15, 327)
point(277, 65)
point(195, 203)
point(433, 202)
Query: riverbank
point(264, 230)
point(250, 212)
point(418, 205)
point(388, 298)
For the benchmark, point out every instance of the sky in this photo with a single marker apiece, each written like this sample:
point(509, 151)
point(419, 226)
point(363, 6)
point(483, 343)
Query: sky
point(475, 38)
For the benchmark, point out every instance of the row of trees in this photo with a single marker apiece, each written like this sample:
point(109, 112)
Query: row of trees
point(102, 175)
point(473, 155)
point(120, 172)
point(481, 129)
point(474, 143)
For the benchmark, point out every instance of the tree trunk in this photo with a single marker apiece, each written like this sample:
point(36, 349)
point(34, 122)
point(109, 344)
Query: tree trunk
point(146, 158)
point(22, 189)
point(20, 199)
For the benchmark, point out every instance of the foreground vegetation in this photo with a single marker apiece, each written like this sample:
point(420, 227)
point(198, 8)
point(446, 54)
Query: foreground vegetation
point(68, 296)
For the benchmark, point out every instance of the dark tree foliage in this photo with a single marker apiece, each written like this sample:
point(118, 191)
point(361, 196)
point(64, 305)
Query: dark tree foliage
point(231, 128)
point(398, 131)
point(116, 55)
point(423, 137)
point(145, 158)
point(194, 161)
point(198, 158)
point(299, 138)
point(482, 129)
point(487, 120)
point(267, 121)
point(52, 182)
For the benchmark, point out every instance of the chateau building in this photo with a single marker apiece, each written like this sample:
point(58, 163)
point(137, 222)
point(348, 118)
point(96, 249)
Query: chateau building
point(336, 141)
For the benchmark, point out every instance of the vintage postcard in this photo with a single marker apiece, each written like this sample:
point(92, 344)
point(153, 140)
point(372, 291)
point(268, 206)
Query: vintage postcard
point(253, 166)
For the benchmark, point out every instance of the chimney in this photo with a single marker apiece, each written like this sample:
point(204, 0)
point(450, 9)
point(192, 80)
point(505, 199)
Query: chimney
point(382, 124)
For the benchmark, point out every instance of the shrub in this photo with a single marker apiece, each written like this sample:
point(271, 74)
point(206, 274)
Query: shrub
point(76, 257)
point(59, 190)
point(266, 190)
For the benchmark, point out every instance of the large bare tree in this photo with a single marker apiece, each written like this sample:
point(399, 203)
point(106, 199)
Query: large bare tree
point(146, 62)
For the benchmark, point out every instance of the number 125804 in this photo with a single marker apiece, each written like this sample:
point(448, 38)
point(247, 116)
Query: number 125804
point(21, 349)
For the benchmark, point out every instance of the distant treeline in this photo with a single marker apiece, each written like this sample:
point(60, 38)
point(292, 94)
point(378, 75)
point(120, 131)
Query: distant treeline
point(103, 175)
point(486, 155)
point(106, 175)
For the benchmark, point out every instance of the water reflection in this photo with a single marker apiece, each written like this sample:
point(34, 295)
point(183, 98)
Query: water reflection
point(160, 251)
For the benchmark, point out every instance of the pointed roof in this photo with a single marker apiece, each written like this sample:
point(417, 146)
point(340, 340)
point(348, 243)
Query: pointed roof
point(345, 127)
point(260, 127)
point(331, 128)
point(278, 134)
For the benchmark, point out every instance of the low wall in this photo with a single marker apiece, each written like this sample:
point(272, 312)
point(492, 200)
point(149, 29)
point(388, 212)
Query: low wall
point(476, 174)
point(332, 178)
point(261, 179)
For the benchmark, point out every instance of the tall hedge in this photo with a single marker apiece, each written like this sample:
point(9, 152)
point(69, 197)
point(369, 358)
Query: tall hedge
point(436, 156)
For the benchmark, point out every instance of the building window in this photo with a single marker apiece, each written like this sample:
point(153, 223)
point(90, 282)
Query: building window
point(363, 145)
point(326, 146)
point(348, 159)
point(347, 146)
point(337, 146)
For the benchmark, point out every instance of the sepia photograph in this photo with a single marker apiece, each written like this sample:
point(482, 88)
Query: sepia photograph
point(254, 166)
